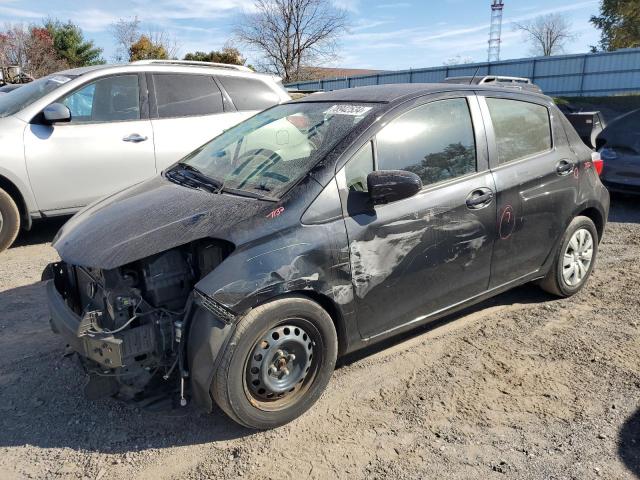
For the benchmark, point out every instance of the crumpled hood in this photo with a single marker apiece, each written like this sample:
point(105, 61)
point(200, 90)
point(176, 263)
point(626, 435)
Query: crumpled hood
point(149, 218)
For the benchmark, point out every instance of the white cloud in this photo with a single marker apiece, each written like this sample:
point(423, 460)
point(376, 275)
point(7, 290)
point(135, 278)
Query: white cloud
point(20, 12)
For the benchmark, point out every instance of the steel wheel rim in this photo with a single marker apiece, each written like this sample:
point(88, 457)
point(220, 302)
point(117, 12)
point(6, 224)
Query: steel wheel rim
point(577, 257)
point(273, 379)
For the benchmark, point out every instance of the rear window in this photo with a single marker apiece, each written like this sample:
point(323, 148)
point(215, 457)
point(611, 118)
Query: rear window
point(249, 93)
point(186, 95)
point(522, 129)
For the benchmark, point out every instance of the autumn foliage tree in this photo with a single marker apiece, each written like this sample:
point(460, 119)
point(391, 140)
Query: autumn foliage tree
point(30, 48)
point(146, 49)
point(227, 55)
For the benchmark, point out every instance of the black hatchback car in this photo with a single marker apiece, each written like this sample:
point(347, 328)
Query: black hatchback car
point(316, 228)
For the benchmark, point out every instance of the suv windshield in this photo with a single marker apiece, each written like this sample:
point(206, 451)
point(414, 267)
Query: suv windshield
point(29, 93)
point(271, 151)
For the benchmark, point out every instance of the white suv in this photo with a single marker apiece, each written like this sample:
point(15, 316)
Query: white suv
point(75, 136)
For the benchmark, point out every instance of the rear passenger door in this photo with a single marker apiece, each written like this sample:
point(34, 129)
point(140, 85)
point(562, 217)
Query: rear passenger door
point(187, 110)
point(536, 182)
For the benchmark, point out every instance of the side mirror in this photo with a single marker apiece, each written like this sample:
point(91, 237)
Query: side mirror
point(56, 112)
point(387, 186)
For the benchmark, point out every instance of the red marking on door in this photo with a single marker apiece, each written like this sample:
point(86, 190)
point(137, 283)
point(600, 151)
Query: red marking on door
point(276, 213)
point(507, 223)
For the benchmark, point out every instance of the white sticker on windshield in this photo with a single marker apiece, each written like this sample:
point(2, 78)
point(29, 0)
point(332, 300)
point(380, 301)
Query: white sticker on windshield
point(353, 110)
point(59, 79)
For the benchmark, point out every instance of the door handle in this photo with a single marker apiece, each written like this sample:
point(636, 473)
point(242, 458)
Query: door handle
point(135, 138)
point(479, 198)
point(564, 167)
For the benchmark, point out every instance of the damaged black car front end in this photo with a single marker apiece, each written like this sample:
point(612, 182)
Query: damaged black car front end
point(153, 279)
point(129, 324)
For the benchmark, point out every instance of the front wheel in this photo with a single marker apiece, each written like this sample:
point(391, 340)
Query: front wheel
point(277, 363)
point(574, 260)
point(9, 220)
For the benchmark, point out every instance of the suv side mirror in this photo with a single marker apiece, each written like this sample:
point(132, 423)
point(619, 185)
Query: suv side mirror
point(56, 112)
point(387, 186)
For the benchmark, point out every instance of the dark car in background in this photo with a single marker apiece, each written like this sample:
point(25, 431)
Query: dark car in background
point(588, 125)
point(619, 146)
point(319, 227)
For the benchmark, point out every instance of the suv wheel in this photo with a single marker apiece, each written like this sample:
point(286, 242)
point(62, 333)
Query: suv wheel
point(9, 220)
point(277, 363)
point(575, 259)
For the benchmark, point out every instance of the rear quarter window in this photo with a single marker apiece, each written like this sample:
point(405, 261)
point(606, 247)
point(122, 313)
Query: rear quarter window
point(522, 129)
point(249, 93)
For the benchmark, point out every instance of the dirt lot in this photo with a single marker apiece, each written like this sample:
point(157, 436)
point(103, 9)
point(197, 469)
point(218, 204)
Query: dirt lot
point(523, 386)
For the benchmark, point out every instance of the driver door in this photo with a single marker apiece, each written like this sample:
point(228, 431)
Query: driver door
point(414, 257)
point(106, 147)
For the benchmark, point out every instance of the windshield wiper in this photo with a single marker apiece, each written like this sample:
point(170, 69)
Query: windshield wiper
point(245, 193)
point(262, 187)
point(196, 178)
point(192, 178)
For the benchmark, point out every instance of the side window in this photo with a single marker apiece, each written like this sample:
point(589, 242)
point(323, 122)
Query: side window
point(249, 93)
point(109, 99)
point(434, 141)
point(186, 95)
point(522, 129)
point(358, 168)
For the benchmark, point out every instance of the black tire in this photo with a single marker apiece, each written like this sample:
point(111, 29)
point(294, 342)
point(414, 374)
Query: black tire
point(232, 385)
point(9, 220)
point(554, 282)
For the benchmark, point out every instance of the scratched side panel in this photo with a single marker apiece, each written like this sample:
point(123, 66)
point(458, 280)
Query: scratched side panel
point(414, 257)
point(287, 257)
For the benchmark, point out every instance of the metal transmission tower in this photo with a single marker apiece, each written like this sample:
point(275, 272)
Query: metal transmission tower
point(496, 30)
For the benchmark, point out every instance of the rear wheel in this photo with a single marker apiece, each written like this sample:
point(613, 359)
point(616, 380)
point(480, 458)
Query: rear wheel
point(9, 220)
point(277, 363)
point(574, 260)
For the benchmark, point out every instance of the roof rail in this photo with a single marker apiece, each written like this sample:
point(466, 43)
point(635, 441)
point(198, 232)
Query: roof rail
point(193, 63)
point(503, 78)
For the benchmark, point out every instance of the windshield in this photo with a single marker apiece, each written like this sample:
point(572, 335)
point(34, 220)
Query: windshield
point(271, 151)
point(29, 93)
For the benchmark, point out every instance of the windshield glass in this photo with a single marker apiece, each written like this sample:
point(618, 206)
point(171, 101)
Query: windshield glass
point(274, 149)
point(29, 93)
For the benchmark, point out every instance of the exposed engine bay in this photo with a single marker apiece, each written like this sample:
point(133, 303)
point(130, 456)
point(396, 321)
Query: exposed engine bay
point(134, 319)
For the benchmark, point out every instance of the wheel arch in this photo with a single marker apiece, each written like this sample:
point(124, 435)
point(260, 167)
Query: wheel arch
point(596, 217)
point(15, 193)
point(330, 306)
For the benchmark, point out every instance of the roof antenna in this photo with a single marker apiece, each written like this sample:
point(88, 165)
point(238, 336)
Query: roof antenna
point(474, 75)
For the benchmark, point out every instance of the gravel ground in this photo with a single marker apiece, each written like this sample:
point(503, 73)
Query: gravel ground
point(524, 386)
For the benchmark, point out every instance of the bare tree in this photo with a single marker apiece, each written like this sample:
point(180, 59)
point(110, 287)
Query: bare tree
point(125, 32)
point(292, 34)
point(13, 45)
point(548, 34)
point(165, 40)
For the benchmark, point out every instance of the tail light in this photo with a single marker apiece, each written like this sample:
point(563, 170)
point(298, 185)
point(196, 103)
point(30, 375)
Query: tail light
point(597, 162)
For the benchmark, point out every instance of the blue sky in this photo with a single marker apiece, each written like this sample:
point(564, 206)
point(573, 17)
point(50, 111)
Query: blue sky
point(384, 34)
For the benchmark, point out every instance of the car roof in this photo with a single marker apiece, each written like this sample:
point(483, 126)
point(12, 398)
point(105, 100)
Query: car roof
point(82, 70)
point(398, 92)
point(159, 66)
